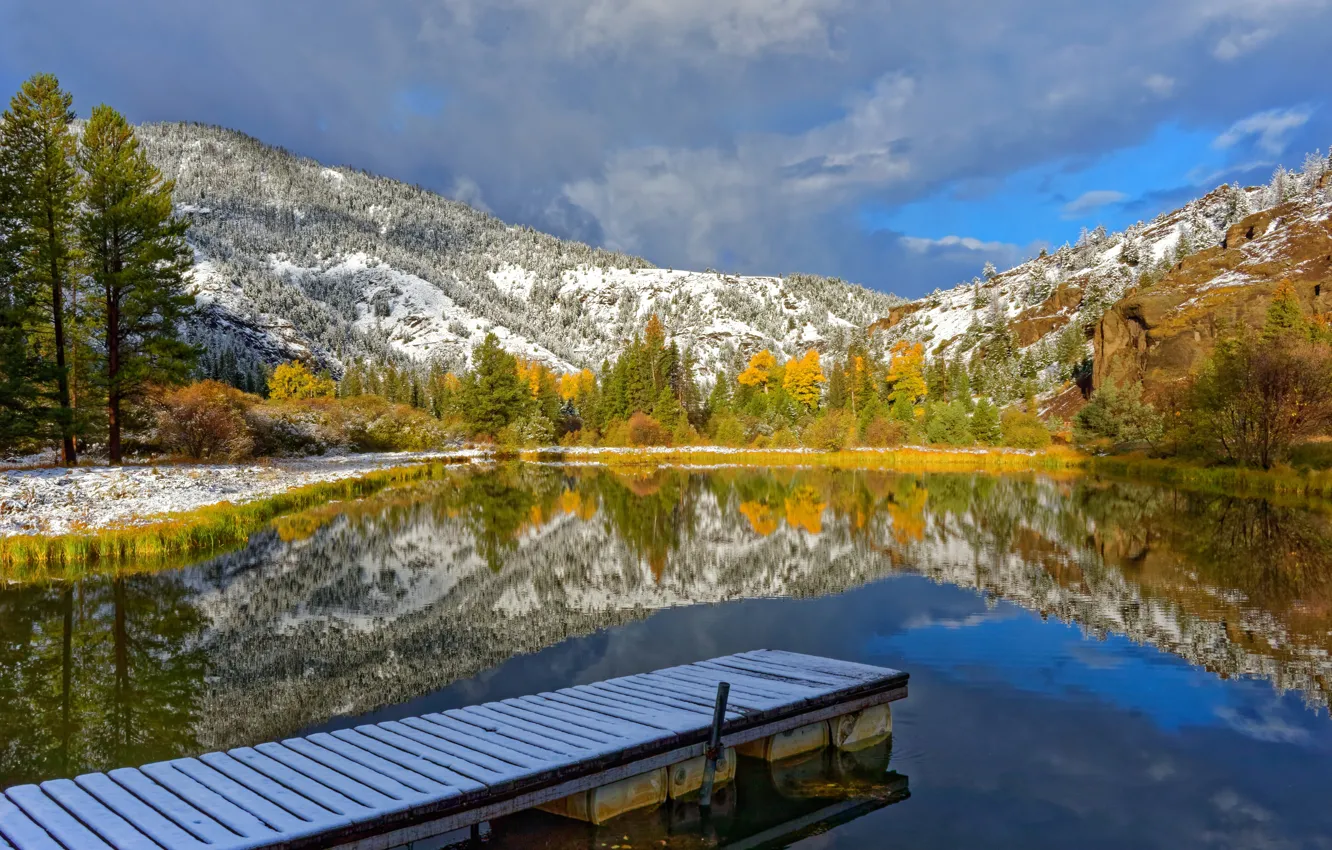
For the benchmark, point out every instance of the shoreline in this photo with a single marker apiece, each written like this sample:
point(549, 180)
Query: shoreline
point(203, 516)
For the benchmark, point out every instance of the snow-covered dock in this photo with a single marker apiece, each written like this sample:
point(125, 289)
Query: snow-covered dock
point(585, 751)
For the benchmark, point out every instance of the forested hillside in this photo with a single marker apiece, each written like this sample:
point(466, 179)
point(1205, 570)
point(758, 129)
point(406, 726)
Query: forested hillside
point(328, 265)
point(1032, 327)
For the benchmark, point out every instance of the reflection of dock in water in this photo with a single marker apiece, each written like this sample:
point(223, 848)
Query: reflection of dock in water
point(770, 805)
point(590, 752)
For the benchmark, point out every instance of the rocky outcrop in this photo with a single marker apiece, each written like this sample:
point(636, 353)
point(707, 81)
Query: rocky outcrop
point(1053, 314)
point(1161, 334)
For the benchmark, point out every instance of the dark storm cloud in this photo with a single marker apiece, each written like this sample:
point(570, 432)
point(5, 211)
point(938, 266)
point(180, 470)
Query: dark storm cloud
point(694, 131)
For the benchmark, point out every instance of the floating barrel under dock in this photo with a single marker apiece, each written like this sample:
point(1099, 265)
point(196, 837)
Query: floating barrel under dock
point(588, 752)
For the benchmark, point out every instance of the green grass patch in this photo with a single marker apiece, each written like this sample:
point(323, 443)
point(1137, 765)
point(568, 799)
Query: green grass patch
point(1308, 484)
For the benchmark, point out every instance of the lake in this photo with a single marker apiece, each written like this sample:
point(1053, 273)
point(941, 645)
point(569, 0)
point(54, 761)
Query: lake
point(1093, 663)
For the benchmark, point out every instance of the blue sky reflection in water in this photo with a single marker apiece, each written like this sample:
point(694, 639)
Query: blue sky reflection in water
point(1103, 728)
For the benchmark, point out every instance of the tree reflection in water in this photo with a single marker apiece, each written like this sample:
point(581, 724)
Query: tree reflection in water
point(349, 608)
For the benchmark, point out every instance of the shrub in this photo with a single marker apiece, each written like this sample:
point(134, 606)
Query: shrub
point(832, 432)
point(533, 430)
point(784, 438)
point(883, 432)
point(1117, 417)
point(1253, 401)
point(949, 424)
point(1023, 430)
point(643, 430)
point(206, 421)
point(727, 430)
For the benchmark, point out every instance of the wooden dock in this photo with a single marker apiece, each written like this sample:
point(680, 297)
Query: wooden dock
point(384, 785)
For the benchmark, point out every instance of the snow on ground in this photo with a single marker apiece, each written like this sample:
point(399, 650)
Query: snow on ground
point(62, 501)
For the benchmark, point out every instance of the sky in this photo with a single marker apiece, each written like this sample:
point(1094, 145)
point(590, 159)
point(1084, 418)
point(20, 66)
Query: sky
point(901, 144)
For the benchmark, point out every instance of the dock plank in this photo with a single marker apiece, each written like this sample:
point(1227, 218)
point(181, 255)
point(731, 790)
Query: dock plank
point(370, 789)
point(144, 818)
point(220, 808)
point(481, 743)
point(59, 823)
point(278, 794)
point(518, 713)
point(22, 830)
point(374, 784)
point(288, 813)
point(326, 794)
point(503, 747)
point(455, 782)
point(322, 747)
point(199, 824)
point(511, 718)
point(113, 828)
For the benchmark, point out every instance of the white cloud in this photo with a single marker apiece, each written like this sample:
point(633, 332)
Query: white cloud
point(1270, 128)
point(920, 244)
point(1160, 85)
point(468, 191)
point(744, 28)
point(1093, 200)
point(1236, 45)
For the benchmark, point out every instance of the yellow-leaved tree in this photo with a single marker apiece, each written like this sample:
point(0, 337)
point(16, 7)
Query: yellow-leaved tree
point(906, 375)
point(293, 380)
point(758, 371)
point(805, 379)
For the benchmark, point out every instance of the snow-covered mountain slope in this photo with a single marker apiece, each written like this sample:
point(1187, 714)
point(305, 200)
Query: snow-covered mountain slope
point(326, 264)
point(1074, 286)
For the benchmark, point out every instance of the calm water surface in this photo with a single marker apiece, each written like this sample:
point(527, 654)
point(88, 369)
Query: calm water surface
point(1092, 664)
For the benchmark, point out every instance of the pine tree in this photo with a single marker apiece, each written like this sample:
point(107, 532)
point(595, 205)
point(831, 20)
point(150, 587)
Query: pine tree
point(23, 371)
point(719, 400)
point(136, 259)
point(985, 423)
point(493, 395)
point(40, 149)
point(1285, 316)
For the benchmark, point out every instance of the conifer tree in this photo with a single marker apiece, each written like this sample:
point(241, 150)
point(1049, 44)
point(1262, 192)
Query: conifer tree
point(1285, 315)
point(136, 259)
point(719, 400)
point(40, 150)
point(23, 371)
point(493, 396)
point(985, 423)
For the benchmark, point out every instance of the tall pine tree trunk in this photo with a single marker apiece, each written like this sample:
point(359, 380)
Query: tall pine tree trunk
point(113, 373)
point(68, 453)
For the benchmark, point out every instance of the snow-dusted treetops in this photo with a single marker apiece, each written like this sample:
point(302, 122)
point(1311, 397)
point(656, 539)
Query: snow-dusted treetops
point(1039, 315)
point(295, 260)
point(298, 261)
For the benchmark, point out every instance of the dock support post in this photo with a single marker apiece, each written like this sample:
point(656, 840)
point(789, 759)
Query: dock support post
point(714, 746)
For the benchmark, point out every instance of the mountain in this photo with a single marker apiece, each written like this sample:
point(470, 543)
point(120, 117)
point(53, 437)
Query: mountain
point(298, 260)
point(1143, 304)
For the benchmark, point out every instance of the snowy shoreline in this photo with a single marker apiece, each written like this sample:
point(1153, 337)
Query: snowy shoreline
point(54, 501)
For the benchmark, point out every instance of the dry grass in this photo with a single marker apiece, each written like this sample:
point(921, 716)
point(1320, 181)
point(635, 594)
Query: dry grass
point(906, 459)
point(159, 542)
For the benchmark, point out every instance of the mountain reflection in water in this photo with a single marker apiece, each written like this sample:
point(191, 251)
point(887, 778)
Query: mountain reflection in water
point(443, 593)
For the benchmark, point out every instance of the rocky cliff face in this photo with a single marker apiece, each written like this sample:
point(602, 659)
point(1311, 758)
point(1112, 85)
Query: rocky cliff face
point(1160, 334)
